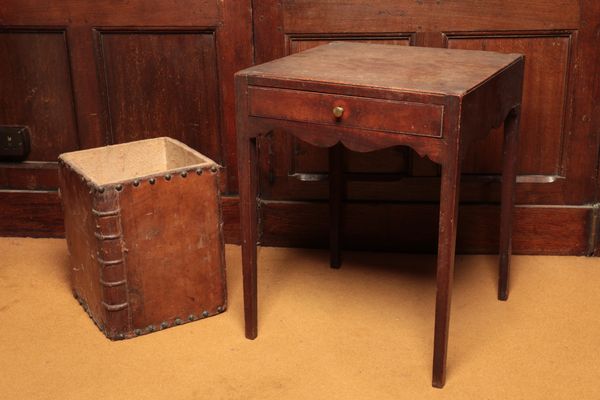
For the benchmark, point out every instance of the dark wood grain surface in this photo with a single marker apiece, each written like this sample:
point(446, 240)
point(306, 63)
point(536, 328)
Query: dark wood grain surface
point(558, 136)
point(386, 66)
point(84, 74)
point(58, 49)
point(176, 75)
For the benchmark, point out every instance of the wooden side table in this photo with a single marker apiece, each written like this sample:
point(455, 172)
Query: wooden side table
point(368, 97)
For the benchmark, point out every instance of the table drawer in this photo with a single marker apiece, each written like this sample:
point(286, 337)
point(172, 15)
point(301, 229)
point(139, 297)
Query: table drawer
point(353, 112)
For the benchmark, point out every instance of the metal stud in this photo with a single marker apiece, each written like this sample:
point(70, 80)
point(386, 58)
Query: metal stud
point(136, 183)
point(100, 190)
point(150, 328)
point(152, 181)
point(120, 336)
point(205, 313)
point(220, 309)
point(191, 317)
point(119, 187)
point(138, 332)
point(168, 177)
point(183, 174)
point(199, 171)
point(177, 321)
point(213, 169)
point(164, 325)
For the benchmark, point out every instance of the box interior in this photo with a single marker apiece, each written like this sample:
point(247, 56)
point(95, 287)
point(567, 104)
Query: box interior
point(122, 162)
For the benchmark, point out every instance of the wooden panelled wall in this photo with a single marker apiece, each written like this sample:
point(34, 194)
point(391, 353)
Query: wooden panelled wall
point(82, 74)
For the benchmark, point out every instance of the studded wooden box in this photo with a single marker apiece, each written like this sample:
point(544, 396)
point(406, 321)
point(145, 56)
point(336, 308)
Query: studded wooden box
point(144, 231)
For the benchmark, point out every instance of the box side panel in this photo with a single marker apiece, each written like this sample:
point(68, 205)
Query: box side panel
point(174, 249)
point(82, 245)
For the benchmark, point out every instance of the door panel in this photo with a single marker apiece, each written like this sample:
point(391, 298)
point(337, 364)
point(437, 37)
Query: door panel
point(559, 138)
point(162, 83)
point(36, 91)
point(544, 108)
point(550, 38)
point(318, 16)
point(82, 74)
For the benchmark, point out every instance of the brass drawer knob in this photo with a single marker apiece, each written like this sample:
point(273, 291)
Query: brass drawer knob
point(338, 111)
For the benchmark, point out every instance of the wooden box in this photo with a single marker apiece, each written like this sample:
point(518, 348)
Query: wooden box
point(144, 231)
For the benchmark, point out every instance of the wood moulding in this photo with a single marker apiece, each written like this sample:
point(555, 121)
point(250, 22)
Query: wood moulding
point(403, 227)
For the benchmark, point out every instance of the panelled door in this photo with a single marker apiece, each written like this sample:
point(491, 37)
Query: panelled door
point(81, 74)
point(392, 194)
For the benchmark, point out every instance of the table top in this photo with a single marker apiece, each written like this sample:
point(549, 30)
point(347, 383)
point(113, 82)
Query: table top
point(402, 68)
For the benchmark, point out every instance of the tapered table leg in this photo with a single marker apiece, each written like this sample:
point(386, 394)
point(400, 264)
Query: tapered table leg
point(248, 184)
point(449, 198)
point(509, 175)
point(336, 190)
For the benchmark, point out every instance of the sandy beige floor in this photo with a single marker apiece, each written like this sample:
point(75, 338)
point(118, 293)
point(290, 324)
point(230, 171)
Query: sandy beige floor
point(362, 332)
